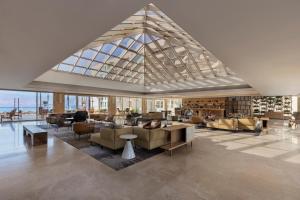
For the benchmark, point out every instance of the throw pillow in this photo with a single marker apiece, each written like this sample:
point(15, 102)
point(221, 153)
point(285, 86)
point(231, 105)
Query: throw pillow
point(146, 124)
point(155, 124)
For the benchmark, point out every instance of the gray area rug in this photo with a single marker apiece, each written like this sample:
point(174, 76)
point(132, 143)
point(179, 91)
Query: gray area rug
point(109, 157)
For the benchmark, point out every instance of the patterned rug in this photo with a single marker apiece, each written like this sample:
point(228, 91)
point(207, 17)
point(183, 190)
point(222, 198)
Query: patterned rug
point(109, 157)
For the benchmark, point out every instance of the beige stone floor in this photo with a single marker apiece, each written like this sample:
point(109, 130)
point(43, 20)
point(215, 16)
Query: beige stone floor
point(222, 165)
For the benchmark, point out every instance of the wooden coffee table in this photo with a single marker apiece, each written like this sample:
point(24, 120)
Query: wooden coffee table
point(38, 135)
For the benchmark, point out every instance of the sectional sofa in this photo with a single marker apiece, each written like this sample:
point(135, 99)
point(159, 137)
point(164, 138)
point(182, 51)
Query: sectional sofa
point(147, 138)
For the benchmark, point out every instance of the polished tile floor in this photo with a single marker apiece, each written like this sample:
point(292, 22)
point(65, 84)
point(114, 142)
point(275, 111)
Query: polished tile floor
point(222, 165)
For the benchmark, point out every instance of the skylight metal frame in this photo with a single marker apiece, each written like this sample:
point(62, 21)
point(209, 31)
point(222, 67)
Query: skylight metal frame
point(149, 49)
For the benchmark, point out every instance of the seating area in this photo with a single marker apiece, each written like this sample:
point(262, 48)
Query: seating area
point(150, 100)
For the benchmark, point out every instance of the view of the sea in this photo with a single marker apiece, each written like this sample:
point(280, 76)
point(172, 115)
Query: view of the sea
point(23, 109)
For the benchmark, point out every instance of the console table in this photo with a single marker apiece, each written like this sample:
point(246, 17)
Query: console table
point(180, 135)
point(264, 121)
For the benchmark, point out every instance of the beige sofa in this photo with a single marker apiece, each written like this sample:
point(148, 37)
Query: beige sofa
point(226, 124)
point(152, 116)
point(150, 138)
point(247, 124)
point(147, 138)
point(195, 120)
point(234, 124)
point(110, 137)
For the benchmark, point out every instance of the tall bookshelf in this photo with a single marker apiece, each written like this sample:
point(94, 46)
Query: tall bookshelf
point(239, 104)
point(287, 106)
point(256, 106)
point(274, 104)
point(205, 106)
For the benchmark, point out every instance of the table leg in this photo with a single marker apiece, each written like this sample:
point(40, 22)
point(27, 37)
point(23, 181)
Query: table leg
point(32, 139)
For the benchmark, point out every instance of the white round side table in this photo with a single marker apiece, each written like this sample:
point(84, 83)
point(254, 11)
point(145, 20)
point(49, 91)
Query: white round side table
point(128, 152)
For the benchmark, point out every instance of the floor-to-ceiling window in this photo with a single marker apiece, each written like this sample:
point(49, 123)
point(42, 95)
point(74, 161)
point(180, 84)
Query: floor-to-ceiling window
point(94, 104)
point(136, 105)
point(294, 104)
point(70, 103)
point(132, 104)
point(98, 104)
point(173, 103)
point(25, 105)
point(83, 102)
point(159, 105)
point(103, 104)
point(44, 104)
point(150, 105)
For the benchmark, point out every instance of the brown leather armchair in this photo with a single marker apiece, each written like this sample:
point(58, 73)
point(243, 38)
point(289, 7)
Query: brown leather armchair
point(82, 128)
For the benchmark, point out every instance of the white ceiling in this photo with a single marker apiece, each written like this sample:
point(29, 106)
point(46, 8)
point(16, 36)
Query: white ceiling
point(257, 39)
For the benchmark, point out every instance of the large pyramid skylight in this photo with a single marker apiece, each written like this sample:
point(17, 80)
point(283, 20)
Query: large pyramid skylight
point(149, 49)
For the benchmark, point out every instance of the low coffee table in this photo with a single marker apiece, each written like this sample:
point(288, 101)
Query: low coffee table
point(38, 135)
point(128, 152)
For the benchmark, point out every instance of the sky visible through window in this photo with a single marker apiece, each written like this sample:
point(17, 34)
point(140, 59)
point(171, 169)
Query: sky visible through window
point(27, 100)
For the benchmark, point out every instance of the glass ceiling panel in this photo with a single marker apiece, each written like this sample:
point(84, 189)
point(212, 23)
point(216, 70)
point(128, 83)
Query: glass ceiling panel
point(97, 48)
point(112, 60)
point(106, 68)
point(108, 48)
point(83, 63)
point(101, 74)
point(122, 63)
point(136, 46)
point(119, 52)
point(126, 42)
point(148, 48)
point(91, 72)
point(147, 39)
point(101, 57)
point(138, 59)
point(79, 70)
point(89, 54)
point(96, 65)
point(65, 68)
point(71, 60)
point(129, 55)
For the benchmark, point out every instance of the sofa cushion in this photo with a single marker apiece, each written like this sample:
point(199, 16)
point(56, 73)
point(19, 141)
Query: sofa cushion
point(143, 134)
point(144, 124)
point(247, 121)
point(212, 124)
point(155, 124)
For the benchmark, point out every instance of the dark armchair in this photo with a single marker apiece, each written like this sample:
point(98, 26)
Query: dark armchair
point(82, 128)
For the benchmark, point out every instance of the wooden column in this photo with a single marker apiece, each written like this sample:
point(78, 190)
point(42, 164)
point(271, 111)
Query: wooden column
point(112, 105)
point(166, 104)
point(58, 102)
point(144, 105)
point(298, 104)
